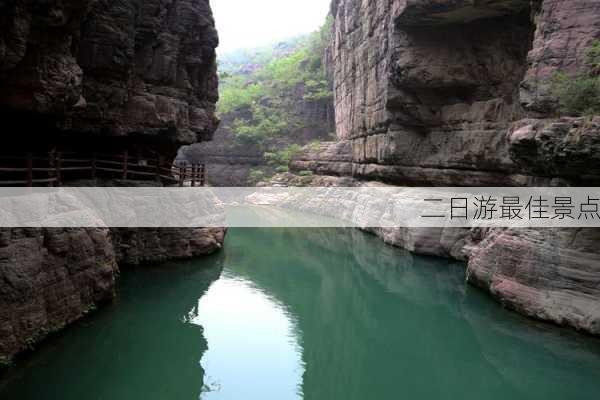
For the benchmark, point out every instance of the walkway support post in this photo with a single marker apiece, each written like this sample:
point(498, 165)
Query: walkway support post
point(193, 175)
point(94, 166)
point(29, 169)
point(125, 161)
point(203, 175)
point(157, 171)
point(57, 166)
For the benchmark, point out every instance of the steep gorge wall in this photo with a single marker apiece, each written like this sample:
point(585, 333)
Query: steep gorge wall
point(53, 277)
point(50, 278)
point(457, 93)
point(114, 69)
point(432, 92)
point(97, 75)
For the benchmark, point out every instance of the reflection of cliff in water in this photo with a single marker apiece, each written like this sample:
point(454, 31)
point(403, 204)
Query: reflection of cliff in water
point(373, 319)
point(140, 346)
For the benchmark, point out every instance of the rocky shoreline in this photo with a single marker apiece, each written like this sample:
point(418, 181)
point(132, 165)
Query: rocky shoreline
point(134, 80)
point(549, 274)
point(452, 93)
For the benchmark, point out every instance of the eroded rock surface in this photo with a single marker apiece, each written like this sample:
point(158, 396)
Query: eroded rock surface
point(87, 76)
point(137, 66)
point(53, 277)
point(138, 246)
point(457, 93)
point(328, 158)
point(549, 274)
point(563, 35)
point(50, 278)
point(424, 86)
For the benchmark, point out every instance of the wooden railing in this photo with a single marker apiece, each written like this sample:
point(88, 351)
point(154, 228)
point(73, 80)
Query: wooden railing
point(58, 168)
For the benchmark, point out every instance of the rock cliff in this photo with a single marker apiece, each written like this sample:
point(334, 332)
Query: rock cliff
point(87, 76)
point(459, 93)
point(427, 85)
point(115, 69)
point(53, 277)
point(50, 278)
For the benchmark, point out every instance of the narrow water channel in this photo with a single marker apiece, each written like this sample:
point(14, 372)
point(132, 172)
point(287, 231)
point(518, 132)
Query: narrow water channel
point(307, 313)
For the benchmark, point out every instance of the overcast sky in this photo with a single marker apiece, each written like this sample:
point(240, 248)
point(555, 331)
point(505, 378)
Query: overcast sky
point(253, 23)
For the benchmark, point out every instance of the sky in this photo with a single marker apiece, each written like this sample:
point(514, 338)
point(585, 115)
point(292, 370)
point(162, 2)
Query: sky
point(254, 23)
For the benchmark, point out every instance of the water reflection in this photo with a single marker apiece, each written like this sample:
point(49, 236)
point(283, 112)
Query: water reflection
point(308, 313)
point(253, 350)
point(137, 348)
point(377, 322)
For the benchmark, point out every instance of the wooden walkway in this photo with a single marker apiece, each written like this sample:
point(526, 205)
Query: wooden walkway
point(57, 168)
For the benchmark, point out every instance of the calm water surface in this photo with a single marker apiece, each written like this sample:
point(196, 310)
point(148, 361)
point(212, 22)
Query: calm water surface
point(307, 313)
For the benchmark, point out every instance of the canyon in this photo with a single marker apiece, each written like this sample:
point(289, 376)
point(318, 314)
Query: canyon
point(425, 92)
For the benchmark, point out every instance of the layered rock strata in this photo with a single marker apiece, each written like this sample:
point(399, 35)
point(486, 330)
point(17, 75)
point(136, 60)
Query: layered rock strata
point(135, 76)
point(142, 246)
point(458, 93)
point(136, 67)
point(422, 86)
point(50, 278)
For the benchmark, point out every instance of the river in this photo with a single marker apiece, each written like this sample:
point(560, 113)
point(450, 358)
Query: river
point(306, 313)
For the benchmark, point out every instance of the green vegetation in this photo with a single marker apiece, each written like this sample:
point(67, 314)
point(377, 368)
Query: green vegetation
point(256, 175)
point(580, 94)
point(237, 62)
point(266, 122)
point(314, 146)
point(281, 158)
point(593, 60)
point(258, 86)
point(237, 94)
point(277, 162)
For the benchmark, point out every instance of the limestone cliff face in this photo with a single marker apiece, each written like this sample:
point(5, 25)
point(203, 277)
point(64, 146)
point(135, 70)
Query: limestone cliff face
point(138, 246)
point(453, 93)
point(86, 76)
point(50, 278)
point(551, 274)
point(96, 66)
point(427, 85)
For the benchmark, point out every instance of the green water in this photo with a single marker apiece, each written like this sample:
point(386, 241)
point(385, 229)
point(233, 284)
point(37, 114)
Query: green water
point(307, 313)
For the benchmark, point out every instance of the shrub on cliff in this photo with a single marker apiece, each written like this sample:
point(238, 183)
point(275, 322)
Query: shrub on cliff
point(266, 122)
point(238, 94)
point(256, 175)
point(317, 89)
point(281, 158)
point(580, 94)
